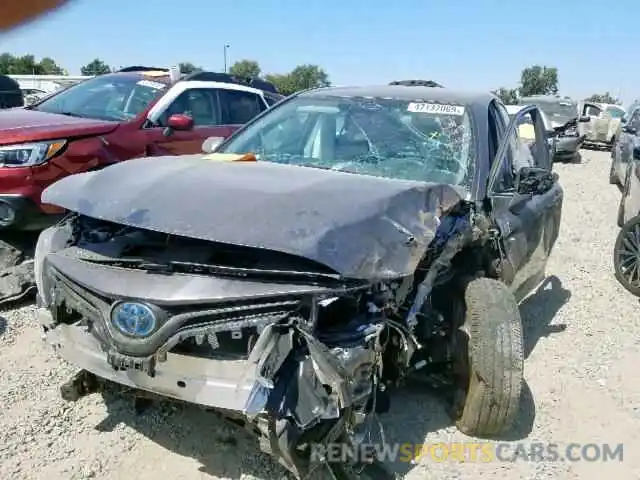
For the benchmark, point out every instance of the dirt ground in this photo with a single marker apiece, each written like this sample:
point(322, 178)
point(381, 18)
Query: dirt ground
point(582, 351)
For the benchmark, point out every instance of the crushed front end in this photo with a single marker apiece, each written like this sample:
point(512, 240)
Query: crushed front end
point(294, 351)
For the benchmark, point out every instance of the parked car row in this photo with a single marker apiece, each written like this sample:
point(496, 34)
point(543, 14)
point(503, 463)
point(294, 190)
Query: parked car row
point(625, 173)
point(560, 114)
point(340, 241)
point(136, 112)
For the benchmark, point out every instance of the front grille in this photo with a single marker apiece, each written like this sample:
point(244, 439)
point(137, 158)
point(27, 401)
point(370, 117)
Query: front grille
point(221, 329)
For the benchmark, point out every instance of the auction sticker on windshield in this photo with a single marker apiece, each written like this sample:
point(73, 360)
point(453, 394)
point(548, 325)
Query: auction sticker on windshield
point(440, 108)
point(150, 84)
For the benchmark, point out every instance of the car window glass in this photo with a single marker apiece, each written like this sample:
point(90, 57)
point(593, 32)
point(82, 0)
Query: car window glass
point(615, 112)
point(239, 107)
point(634, 121)
point(201, 104)
point(506, 176)
point(386, 137)
point(272, 99)
point(107, 97)
point(592, 111)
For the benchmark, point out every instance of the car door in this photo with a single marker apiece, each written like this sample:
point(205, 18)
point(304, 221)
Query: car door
point(628, 139)
point(239, 106)
point(598, 125)
point(204, 107)
point(528, 223)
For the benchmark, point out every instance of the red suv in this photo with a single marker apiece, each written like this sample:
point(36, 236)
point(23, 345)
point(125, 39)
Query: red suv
point(135, 112)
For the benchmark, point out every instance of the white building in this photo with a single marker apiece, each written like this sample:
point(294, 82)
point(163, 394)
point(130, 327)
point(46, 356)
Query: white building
point(45, 84)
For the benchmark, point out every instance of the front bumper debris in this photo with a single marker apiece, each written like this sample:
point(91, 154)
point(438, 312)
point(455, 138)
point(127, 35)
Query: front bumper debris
point(217, 384)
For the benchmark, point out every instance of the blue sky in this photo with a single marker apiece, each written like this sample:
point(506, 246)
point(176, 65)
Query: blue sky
point(479, 45)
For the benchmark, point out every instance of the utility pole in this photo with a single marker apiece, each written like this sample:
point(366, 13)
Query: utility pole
point(226, 48)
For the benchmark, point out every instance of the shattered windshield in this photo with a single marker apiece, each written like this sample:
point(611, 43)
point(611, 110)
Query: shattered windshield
point(372, 136)
point(558, 111)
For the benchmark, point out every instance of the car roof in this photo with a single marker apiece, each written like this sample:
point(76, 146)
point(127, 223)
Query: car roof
point(163, 77)
point(407, 93)
point(156, 76)
point(532, 99)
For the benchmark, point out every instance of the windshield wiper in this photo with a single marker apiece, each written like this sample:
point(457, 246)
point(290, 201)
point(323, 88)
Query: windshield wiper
point(171, 267)
point(70, 114)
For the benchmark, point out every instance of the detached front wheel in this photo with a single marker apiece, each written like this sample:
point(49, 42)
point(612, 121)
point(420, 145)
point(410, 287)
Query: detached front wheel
point(626, 256)
point(492, 375)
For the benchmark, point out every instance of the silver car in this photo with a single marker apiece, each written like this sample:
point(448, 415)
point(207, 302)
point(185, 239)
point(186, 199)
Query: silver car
point(558, 111)
point(601, 130)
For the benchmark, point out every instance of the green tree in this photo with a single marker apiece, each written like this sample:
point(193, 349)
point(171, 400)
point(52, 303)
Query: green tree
point(6, 63)
point(300, 78)
point(48, 66)
point(283, 82)
point(309, 76)
point(509, 96)
point(603, 98)
point(28, 65)
point(188, 67)
point(538, 80)
point(95, 67)
point(245, 69)
point(25, 65)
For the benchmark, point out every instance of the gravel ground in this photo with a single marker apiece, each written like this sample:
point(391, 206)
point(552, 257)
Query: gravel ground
point(581, 343)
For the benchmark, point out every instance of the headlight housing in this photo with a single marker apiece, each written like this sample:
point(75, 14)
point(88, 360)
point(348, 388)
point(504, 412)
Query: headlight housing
point(30, 154)
point(51, 240)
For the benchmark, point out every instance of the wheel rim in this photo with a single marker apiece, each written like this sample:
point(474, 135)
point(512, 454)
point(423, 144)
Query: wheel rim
point(628, 255)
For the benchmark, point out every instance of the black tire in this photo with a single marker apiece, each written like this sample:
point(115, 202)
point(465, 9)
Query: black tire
point(624, 259)
point(371, 471)
point(495, 359)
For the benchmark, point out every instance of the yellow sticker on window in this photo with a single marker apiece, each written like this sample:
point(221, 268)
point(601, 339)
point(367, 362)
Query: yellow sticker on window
point(230, 157)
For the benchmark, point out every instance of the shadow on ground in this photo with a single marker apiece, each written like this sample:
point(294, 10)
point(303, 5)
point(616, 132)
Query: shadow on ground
point(538, 310)
point(3, 326)
point(224, 450)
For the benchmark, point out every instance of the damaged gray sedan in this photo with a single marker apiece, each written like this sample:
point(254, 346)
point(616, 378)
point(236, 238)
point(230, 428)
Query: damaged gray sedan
point(365, 236)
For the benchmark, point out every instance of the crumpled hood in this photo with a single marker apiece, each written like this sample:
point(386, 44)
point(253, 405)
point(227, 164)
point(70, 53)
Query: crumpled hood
point(24, 125)
point(360, 226)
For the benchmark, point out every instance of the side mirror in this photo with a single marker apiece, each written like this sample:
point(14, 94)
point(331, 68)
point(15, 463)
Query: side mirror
point(584, 119)
point(534, 180)
point(623, 120)
point(179, 121)
point(211, 144)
